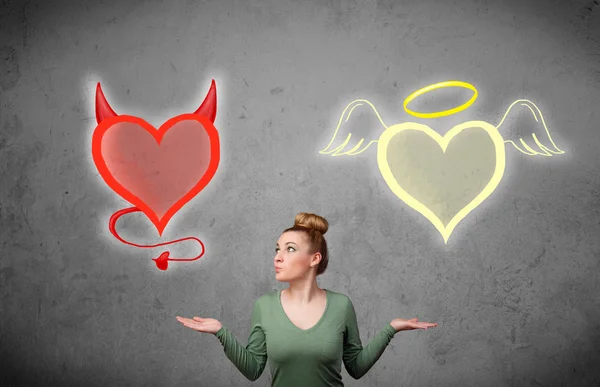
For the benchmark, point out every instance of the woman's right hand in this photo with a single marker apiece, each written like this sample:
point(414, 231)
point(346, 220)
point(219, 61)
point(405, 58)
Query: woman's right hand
point(206, 325)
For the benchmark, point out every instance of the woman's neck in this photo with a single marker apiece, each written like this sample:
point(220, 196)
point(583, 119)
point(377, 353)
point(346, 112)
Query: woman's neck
point(304, 293)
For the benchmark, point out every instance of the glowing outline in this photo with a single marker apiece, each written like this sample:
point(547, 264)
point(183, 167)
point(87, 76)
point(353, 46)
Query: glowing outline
point(350, 152)
point(497, 139)
point(443, 142)
point(531, 152)
point(211, 169)
point(440, 85)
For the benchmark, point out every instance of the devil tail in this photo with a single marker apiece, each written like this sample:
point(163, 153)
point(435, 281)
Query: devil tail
point(162, 261)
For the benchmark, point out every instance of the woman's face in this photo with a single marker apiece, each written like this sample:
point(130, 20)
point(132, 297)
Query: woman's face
point(292, 258)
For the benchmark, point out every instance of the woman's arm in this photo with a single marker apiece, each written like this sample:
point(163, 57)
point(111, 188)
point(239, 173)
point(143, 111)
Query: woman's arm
point(251, 359)
point(359, 360)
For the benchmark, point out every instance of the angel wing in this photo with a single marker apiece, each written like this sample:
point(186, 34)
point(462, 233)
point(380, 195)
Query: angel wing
point(359, 110)
point(528, 128)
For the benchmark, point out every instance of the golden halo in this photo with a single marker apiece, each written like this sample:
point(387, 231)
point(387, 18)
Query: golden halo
point(441, 85)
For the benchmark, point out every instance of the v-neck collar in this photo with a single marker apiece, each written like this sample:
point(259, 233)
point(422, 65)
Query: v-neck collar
point(327, 301)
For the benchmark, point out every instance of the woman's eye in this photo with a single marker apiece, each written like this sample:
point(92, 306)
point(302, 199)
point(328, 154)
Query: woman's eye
point(277, 249)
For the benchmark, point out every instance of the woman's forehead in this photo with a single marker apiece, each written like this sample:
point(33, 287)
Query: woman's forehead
point(291, 236)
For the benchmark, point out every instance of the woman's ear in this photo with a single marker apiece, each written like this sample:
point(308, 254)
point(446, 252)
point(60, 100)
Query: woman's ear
point(316, 260)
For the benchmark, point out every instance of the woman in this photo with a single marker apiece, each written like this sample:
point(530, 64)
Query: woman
point(303, 331)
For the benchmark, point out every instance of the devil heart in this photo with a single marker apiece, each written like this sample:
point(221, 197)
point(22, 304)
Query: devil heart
point(156, 170)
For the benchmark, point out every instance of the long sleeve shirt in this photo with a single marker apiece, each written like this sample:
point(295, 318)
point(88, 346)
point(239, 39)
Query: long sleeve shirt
point(304, 357)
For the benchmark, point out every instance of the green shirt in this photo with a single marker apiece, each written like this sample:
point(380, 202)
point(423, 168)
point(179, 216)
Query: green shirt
point(302, 358)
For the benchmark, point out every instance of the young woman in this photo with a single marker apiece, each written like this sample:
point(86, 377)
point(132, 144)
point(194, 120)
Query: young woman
point(303, 331)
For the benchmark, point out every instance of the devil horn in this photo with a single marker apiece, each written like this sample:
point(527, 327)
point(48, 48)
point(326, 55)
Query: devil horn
point(209, 106)
point(103, 109)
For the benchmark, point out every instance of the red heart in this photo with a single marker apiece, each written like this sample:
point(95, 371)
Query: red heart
point(158, 171)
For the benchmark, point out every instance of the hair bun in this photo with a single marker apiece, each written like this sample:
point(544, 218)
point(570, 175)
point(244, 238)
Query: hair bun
point(312, 221)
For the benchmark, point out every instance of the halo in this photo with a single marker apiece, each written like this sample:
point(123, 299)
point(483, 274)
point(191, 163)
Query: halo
point(440, 85)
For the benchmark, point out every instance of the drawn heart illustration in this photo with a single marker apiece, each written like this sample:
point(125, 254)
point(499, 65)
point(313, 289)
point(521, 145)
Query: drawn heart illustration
point(157, 170)
point(442, 177)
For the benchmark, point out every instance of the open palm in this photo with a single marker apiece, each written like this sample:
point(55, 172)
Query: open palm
point(401, 324)
point(206, 325)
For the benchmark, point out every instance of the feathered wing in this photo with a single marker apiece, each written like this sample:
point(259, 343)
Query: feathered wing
point(527, 135)
point(342, 142)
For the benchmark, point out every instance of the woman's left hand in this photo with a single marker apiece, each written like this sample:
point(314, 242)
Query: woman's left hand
point(400, 324)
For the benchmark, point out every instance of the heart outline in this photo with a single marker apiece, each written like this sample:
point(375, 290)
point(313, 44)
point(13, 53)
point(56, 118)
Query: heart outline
point(158, 134)
point(443, 142)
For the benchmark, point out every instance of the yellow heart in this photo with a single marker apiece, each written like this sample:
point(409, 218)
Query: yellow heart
point(404, 144)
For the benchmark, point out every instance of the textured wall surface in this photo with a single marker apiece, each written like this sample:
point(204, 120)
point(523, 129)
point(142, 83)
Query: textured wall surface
point(516, 291)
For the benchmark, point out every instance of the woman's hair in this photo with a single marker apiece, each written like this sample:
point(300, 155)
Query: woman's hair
point(315, 227)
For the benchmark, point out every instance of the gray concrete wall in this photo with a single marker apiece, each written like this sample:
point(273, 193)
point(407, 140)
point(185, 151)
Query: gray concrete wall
point(515, 291)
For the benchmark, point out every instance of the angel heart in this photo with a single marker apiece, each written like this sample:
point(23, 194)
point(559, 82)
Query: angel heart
point(442, 177)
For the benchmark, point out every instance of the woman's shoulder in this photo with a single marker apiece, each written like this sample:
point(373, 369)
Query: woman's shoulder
point(339, 296)
point(335, 293)
point(268, 296)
